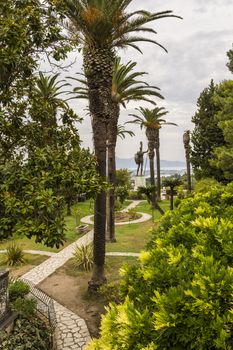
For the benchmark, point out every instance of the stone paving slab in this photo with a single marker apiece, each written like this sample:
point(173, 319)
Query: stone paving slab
point(72, 332)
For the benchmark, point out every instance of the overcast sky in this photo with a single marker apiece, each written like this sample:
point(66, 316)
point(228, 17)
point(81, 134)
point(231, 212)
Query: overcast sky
point(197, 48)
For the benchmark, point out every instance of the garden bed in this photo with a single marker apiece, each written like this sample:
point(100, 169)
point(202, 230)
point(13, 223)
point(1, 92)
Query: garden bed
point(124, 216)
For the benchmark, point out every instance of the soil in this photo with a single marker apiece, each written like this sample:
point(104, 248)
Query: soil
point(71, 291)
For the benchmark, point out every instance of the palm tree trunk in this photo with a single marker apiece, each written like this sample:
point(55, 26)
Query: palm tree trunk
point(98, 67)
point(112, 138)
point(151, 154)
point(110, 233)
point(157, 142)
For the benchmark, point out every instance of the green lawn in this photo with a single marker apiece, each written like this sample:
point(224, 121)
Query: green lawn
point(129, 237)
point(78, 211)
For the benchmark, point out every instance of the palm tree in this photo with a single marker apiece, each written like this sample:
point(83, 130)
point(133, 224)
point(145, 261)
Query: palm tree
point(172, 182)
point(102, 26)
point(126, 87)
point(152, 121)
point(122, 132)
point(49, 89)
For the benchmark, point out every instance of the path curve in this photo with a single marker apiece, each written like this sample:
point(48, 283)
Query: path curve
point(144, 217)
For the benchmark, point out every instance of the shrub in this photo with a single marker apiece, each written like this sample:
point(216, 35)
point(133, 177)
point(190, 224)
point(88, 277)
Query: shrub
point(83, 257)
point(14, 255)
point(26, 335)
point(181, 294)
point(25, 307)
point(18, 289)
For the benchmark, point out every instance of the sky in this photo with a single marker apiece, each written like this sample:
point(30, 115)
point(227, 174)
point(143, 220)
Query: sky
point(197, 47)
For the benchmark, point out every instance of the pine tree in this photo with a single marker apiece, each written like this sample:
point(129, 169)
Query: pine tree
point(206, 135)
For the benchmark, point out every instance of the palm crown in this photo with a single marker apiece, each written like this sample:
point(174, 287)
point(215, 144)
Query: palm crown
point(151, 118)
point(125, 85)
point(104, 23)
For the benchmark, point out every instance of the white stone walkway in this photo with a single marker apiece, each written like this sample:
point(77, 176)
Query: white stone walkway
point(144, 217)
point(72, 332)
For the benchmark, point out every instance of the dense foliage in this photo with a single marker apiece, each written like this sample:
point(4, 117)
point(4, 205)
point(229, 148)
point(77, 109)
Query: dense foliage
point(206, 135)
point(180, 296)
point(223, 99)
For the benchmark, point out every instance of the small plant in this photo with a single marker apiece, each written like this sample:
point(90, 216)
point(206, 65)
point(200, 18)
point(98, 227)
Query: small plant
point(14, 255)
point(18, 289)
point(77, 216)
point(83, 257)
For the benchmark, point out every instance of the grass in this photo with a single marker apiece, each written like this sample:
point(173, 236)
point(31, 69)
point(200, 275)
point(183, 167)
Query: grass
point(129, 237)
point(112, 266)
point(30, 259)
point(133, 237)
point(78, 211)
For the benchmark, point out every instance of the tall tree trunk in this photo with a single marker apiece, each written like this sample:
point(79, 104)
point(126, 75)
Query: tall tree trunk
point(98, 67)
point(157, 149)
point(68, 208)
point(171, 198)
point(112, 138)
point(151, 154)
point(187, 147)
point(188, 166)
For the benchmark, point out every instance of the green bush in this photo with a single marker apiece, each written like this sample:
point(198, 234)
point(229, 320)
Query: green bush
point(18, 289)
point(25, 307)
point(83, 257)
point(14, 255)
point(180, 297)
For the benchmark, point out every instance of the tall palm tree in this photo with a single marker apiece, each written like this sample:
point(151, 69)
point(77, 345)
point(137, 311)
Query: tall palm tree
point(102, 26)
point(126, 87)
point(152, 120)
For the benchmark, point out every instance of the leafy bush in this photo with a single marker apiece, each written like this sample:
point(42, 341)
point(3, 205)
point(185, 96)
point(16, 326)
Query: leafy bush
point(25, 307)
point(14, 255)
point(26, 335)
point(18, 289)
point(83, 257)
point(180, 296)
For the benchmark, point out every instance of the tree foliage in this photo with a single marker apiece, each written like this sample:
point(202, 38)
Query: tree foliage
point(206, 135)
point(223, 99)
point(47, 170)
point(230, 60)
point(180, 295)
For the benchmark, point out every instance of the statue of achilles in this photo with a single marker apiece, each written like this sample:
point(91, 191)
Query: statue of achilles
point(139, 160)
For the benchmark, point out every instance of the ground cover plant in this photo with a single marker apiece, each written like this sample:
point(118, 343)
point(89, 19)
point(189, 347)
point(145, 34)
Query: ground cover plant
point(180, 296)
point(29, 331)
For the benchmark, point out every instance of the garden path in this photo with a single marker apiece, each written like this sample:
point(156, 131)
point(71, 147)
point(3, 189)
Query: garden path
point(72, 332)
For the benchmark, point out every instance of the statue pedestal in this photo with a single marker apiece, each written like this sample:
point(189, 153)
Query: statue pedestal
point(139, 181)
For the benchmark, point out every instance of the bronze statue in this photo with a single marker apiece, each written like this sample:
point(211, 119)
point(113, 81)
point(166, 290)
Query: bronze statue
point(139, 159)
